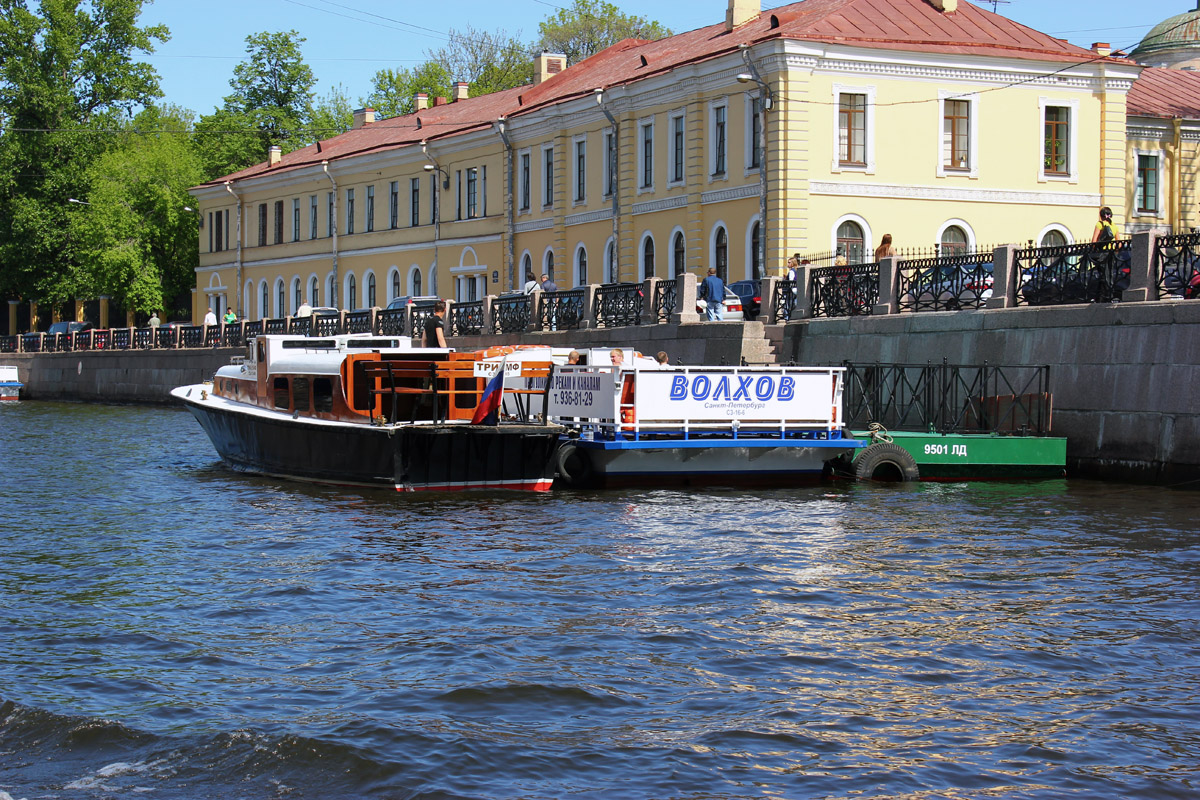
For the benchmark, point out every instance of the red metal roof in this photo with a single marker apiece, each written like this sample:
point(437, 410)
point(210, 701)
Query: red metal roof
point(1166, 93)
point(908, 25)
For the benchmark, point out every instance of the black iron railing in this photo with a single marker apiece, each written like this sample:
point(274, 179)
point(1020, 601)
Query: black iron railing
point(1074, 273)
point(947, 283)
point(10, 344)
point(618, 304)
point(390, 322)
point(949, 398)
point(191, 336)
point(1177, 265)
point(325, 325)
point(510, 313)
point(419, 315)
point(120, 339)
point(143, 338)
point(784, 300)
point(358, 321)
point(272, 326)
point(248, 332)
point(844, 291)
point(561, 311)
point(665, 293)
point(466, 318)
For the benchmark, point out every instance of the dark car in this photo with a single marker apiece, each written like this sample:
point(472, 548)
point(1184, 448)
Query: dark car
point(69, 327)
point(411, 300)
point(749, 292)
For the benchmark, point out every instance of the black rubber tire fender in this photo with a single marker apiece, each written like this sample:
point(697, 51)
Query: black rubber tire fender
point(574, 465)
point(885, 461)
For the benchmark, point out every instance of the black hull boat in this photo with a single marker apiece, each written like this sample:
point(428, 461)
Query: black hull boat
point(306, 411)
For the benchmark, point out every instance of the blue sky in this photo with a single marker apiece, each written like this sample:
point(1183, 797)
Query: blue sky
point(348, 41)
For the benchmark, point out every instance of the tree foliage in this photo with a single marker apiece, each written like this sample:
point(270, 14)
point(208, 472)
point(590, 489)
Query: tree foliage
point(589, 26)
point(393, 91)
point(330, 115)
point(67, 75)
point(489, 62)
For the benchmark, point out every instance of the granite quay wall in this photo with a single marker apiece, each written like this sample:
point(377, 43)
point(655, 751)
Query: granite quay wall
point(115, 376)
point(1125, 376)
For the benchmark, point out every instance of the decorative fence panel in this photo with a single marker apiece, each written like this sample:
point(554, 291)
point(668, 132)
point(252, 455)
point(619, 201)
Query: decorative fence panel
point(325, 325)
point(947, 283)
point(466, 318)
point(847, 291)
point(619, 305)
point(784, 300)
point(665, 293)
point(120, 339)
point(143, 338)
point(272, 326)
point(358, 321)
point(560, 311)
point(390, 322)
point(1177, 265)
point(1073, 273)
point(510, 313)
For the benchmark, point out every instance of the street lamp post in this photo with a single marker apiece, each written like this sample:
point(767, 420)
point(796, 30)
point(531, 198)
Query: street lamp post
point(765, 102)
point(434, 166)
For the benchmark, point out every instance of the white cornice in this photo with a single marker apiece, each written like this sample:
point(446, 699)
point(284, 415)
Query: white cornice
point(589, 216)
point(463, 241)
point(953, 195)
point(665, 204)
point(533, 225)
point(734, 193)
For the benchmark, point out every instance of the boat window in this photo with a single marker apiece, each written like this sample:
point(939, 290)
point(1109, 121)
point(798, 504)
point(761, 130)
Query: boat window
point(281, 392)
point(322, 394)
point(300, 394)
point(371, 344)
point(304, 343)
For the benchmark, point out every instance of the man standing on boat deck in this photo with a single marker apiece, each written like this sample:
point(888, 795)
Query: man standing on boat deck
point(434, 334)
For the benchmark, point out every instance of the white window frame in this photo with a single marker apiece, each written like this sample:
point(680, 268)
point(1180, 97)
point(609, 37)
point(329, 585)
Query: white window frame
point(578, 198)
point(641, 255)
point(640, 169)
point(1054, 226)
point(673, 151)
point(1072, 106)
point(579, 248)
point(1161, 155)
point(972, 242)
point(972, 170)
point(869, 129)
point(868, 236)
point(713, 175)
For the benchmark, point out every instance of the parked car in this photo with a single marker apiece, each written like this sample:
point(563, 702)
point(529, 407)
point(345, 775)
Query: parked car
point(748, 292)
point(949, 287)
point(411, 300)
point(325, 311)
point(69, 327)
point(1077, 278)
point(732, 304)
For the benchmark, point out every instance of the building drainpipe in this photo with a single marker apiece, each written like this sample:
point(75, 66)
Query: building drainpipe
point(237, 289)
point(333, 301)
point(764, 105)
point(1177, 225)
point(509, 211)
point(437, 209)
point(612, 176)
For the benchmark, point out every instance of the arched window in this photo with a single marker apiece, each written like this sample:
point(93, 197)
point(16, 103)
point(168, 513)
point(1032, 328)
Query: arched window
point(1053, 238)
point(677, 253)
point(314, 292)
point(297, 293)
point(281, 294)
point(581, 267)
point(756, 270)
point(954, 241)
point(721, 254)
point(264, 310)
point(415, 281)
point(850, 242)
point(331, 290)
point(610, 263)
point(370, 290)
point(648, 257)
point(526, 268)
point(352, 287)
point(548, 268)
point(395, 284)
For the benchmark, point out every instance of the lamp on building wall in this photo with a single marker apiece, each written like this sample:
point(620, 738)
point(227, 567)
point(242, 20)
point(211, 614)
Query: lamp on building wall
point(764, 105)
point(445, 174)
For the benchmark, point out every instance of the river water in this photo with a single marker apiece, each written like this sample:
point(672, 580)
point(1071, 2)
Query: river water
point(169, 629)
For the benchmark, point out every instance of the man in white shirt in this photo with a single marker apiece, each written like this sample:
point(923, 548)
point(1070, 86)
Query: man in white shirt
point(210, 318)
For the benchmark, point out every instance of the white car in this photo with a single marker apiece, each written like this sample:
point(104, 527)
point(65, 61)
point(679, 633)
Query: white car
point(731, 312)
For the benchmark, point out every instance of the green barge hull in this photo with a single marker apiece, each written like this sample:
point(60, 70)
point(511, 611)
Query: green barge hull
point(974, 457)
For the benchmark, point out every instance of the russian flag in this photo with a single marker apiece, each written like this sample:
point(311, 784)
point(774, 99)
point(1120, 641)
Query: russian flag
point(488, 410)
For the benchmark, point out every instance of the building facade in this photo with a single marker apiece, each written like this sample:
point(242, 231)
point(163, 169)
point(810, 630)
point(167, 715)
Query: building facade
point(815, 127)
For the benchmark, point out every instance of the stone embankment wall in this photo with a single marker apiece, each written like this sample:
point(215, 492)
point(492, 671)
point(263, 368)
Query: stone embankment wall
point(1125, 376)
point(130, 376)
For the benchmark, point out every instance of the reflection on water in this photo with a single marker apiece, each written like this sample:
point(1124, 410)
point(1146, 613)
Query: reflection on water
point(177, 629)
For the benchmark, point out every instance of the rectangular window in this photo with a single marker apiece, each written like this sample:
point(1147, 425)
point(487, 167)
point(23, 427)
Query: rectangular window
point(312, 216)
point(370, 221)
point(226, 229)
point(647, 155)
point(719, 140)
point(394, 204)
point(295, 219)
point(483, 190)
point(755, 133)
point(435, 203)
point(548, 177)
point(580, 170)
point(1058, 140)
point(610, 163)
point(262, 224)
point(329, 223)
point(1147, 184)
point(852, 130)
point(349, 211)
point(472, 192)
point(458, 206)
point(956, 134)
point(414, 202)
point(215, 232)
point(525, 182)
point(278, 222)
point(677, 149)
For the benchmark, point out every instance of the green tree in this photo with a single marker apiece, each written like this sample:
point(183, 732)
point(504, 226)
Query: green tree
point(392, 91)
point(589, 26)
point(67, 76)
point(330, 115)
point(271, 104)
point(489, 62)
point(136, 234)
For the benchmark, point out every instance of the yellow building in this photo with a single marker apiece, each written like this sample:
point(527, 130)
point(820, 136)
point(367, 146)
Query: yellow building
point(937, 122)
